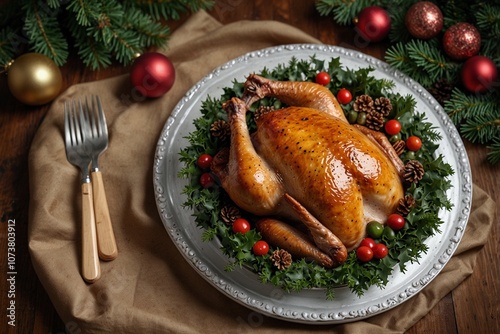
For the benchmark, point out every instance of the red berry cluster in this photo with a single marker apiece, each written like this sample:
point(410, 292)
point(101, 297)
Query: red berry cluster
point(206, 179)
point(241, 225)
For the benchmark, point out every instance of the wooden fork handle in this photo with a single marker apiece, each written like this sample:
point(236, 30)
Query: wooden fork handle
point(106, 243)
point(91, 270)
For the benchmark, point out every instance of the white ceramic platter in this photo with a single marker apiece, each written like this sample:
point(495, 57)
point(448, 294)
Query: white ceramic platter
point(308, 306)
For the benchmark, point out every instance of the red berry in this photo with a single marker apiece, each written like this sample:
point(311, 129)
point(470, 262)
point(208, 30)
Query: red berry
point(413, 143)
point(368, 242)
point(204, 161)
point(380, 251)
point(323, 78)
point(207, 180)
point(364, 253)
point(392, 127)
point(260, 248)
point(344, 96)
point(241, 225)
point(395, 221)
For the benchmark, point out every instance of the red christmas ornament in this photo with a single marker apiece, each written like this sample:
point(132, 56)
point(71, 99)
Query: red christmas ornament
point(478, 74)
point(152, 74)
point(461, 41)
point(424, 20)
point(373, 23)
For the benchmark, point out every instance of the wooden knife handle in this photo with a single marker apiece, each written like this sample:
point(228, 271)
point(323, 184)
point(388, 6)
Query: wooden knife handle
point(106, 243)
point(91, 270)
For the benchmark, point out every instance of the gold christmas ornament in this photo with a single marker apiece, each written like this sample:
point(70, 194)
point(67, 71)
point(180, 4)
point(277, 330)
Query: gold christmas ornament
point(34, 79)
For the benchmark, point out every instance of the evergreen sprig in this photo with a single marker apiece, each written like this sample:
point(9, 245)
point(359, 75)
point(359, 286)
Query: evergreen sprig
point(100, 31)
point(476, 116)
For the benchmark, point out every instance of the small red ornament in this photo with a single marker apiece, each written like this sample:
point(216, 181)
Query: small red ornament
point(461, 41)
point(478, 74)
point(152, 74)
point(424, 20)
point(373, 23)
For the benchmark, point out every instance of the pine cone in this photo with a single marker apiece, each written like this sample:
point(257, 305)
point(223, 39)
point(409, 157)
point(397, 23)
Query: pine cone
point(363, 103)
point(441, 90)
point(414, 171)
point(220, 128)
point(281, 259)
point(399, 146)
point(374, 120)
point(230, 213)
point(405, 205)
point(262, 110)
point(383, 105)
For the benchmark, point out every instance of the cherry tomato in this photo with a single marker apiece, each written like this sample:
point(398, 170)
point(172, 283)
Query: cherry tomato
point(204, 161)
point(395, 221)
point(380, 251)
point(207, 180)
point(364, 253)
point(374, 229)
point(241, 225)
point(413, 143)
point(323, 78)
point(344, 96)
point(260, 248)
point(392, 127)
point(368, 242)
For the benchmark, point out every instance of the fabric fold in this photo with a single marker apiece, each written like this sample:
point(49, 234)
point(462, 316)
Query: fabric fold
point(150, 287)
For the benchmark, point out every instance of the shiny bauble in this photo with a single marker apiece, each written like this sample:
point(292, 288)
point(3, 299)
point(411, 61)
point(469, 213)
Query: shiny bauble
point(34, 79)
point(461, 41)
point(152, 74)
point(424, 20)
point(373, 23)
point(478, 74)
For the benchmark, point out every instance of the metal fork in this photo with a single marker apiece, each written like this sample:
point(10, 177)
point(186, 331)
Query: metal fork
point(77, 154)
point(97, 136)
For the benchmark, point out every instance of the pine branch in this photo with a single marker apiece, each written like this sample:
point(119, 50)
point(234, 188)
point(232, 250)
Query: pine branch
point(100, 30)
point(343, 11)
point(494, 155)
point(398, 32)
point(488, 20)
point(481, 128)
point(428, 57)
point(171, 10)
point(150, 32)
point(8, 37)
point(463, 106)
point(44, 33)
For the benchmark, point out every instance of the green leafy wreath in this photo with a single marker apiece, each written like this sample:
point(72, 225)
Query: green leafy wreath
point(406, 246)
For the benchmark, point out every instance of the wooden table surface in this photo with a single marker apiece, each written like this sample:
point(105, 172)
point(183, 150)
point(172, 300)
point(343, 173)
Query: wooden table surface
point(473, 307)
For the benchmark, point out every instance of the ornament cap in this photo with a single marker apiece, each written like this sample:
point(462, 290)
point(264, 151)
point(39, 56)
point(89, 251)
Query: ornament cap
point(7, 66)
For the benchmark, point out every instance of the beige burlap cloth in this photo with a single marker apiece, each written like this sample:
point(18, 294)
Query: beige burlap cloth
point(150, 288)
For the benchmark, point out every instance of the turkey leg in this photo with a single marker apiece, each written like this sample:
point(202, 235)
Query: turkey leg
point(293, 93)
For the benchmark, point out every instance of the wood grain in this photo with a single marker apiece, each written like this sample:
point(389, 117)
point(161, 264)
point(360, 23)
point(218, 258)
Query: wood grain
point(473, 307)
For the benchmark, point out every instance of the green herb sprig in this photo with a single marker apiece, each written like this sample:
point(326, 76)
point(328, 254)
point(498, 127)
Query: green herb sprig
point(409, 243)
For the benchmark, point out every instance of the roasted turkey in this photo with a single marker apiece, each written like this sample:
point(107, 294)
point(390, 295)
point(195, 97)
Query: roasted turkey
point(315, 180)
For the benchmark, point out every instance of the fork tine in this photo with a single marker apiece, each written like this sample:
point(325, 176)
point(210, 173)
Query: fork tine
point(73, 125)
point(81, 125)
point(103, 129)
point(67, 131)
